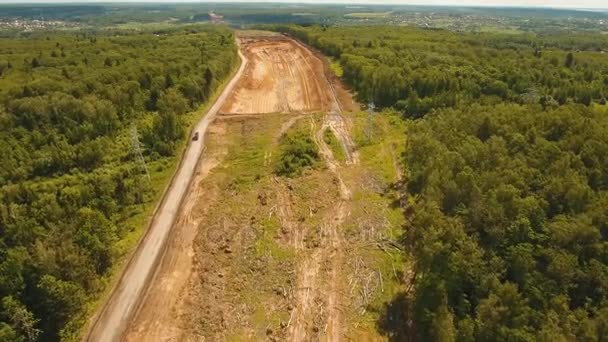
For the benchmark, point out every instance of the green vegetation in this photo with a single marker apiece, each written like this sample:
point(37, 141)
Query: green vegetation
point(506, 173)
point(71, 188)
point(511, 223)
point(336, 68)
point(298, 152)
point(387, 143)
point(334, 145)
point(368, 15)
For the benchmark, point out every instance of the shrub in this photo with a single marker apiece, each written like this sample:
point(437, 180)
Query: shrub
point(298, 151)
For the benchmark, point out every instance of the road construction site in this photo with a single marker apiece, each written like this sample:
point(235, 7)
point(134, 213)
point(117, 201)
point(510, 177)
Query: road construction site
point(250, 255)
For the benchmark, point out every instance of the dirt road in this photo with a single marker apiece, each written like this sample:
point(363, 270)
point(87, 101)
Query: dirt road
point(112, 321)
point(157, 318)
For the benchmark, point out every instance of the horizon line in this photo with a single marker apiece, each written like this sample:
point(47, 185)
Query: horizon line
point(317, 2)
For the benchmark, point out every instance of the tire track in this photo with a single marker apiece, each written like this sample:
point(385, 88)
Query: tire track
point(329, 250)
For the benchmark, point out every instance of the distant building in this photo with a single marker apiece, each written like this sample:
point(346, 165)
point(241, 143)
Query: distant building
point(216, 18)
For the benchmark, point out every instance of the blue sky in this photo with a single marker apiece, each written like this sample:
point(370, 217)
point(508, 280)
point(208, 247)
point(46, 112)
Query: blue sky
point(525, 3)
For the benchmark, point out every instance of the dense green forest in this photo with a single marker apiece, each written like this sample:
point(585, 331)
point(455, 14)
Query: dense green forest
point(69, 177)
point(510, 222)
point(507, 174)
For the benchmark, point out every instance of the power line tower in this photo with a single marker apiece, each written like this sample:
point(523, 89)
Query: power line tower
point(370, 116)
point(137, 150)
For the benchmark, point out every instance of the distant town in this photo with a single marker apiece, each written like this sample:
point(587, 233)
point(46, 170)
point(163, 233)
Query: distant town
point(26, 25)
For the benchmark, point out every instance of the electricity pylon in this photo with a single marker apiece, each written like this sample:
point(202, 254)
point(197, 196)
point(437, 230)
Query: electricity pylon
point(370, 114)
point(137, 149)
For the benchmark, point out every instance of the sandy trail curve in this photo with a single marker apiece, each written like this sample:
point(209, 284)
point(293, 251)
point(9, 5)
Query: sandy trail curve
point(111, 323)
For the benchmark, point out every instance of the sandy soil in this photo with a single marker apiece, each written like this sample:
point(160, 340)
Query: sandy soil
point(282, 77)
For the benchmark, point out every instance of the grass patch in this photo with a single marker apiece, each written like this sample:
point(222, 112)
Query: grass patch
point(138, 26)
point(334, 145)
point(368, 15)
point(335, 66)
point(256, 33)
point(265, 243)
point(382, 149)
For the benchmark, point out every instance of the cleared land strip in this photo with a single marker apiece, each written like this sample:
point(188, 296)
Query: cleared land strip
point(112, 321)
point(251, 257)
point(165, 304)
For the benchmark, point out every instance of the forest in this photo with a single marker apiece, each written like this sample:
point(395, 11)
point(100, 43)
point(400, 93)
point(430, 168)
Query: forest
point(72, 106)
point(507, 175)
point(510, 225)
